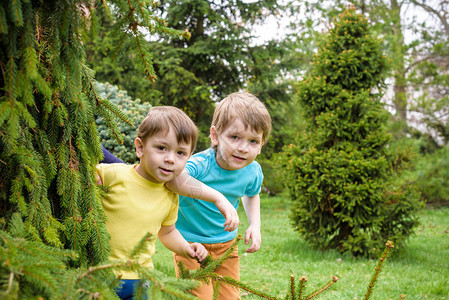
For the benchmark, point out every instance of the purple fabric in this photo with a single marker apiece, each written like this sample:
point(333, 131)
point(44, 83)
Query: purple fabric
point(109, 158)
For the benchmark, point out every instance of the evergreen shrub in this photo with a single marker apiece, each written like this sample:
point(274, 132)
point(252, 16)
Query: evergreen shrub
point(54, 242)
point(341, 171)
point(135, 110)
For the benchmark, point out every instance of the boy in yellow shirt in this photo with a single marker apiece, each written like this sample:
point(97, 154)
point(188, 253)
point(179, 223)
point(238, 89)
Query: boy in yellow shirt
point(138, 202)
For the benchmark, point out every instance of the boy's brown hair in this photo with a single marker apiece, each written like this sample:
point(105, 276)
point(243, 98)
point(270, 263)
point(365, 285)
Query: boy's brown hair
point(160, 119)
point(246, 107)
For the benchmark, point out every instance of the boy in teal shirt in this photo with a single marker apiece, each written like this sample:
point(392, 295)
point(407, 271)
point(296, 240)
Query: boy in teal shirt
point(241, 125)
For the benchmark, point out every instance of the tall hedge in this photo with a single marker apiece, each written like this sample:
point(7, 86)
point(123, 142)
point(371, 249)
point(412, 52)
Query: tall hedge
point(340, 172)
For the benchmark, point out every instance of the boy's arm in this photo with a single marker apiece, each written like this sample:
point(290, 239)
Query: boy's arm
point(173, 240)
point(186, 185)
point(252, 209)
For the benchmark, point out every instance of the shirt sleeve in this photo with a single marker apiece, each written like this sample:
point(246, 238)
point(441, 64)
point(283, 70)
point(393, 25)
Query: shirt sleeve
point(195, 166)
point(173, 213)
point(256, 186)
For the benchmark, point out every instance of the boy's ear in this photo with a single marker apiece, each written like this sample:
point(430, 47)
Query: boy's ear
point(213, 136)
point(139, 147)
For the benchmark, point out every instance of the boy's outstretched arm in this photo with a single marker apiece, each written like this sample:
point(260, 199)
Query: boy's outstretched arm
point(186, 185)
point(173, 240)
point(252, 209)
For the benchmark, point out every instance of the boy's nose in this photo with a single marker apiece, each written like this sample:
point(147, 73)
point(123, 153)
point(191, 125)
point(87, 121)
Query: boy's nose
point(170, 158)
point(243, 147)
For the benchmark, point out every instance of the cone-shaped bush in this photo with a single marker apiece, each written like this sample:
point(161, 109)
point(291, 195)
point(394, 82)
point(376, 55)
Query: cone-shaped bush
point(341, 169)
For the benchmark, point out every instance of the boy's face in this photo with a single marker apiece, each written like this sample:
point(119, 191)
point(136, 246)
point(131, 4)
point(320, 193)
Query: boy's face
point(237, 146)
point(162, 158)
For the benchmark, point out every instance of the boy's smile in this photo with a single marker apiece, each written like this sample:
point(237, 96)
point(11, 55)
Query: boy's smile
point(166, 171)
point(162, 158)
point(237, 145)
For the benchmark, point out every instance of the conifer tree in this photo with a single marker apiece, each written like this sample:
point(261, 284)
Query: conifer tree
point(341, 171)
point(52, 222)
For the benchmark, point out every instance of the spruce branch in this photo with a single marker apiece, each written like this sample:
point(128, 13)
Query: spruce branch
point(292, 286)
point(388, 246)
point(90, 79)
point(115, 110)
point(206, 273)
point(119, 47)
point(219, 280)
point(245, 287)
point(322, 289)
point(92, 270)
point(140, 247)
point(91, 295)
point(302, 286)
point(133, 25)
point(216, 289)
point(208, 266)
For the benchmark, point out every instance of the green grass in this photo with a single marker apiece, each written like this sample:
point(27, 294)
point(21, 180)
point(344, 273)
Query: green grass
point(420, 270)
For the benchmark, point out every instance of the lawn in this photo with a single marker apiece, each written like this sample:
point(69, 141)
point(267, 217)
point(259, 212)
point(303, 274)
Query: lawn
point(420, 270)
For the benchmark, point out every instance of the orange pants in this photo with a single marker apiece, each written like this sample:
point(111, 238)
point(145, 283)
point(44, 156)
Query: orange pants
point(230, 267)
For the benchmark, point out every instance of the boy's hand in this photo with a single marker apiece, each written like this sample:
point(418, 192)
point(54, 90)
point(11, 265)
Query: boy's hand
point(230, 214)
point(99, 180)
point(197, 250)
point(254, 235)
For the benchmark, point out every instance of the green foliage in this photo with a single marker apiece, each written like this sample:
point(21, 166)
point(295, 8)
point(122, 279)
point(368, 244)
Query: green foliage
point(31, 268)
point(430, 175)
point(51, 217)
point(271, 171)
point(341, 171)
point(48, 139)
point(135, 111)
point(218, 59)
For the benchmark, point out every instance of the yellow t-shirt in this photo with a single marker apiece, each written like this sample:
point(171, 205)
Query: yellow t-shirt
point(134, 206)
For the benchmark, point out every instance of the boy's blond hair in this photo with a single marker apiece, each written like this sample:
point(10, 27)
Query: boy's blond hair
point(246, 107)
point(160, 119)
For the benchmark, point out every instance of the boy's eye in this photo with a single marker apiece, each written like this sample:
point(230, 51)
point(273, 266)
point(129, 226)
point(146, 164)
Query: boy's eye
point(182, 153)
point(234, 137)
point(254, 142)
point(162, 148)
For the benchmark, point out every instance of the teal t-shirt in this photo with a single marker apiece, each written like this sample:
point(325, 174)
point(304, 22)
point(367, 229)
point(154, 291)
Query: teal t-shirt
point(201, 221)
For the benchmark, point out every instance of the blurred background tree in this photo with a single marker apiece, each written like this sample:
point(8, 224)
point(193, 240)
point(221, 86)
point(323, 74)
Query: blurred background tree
point(221, 57)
